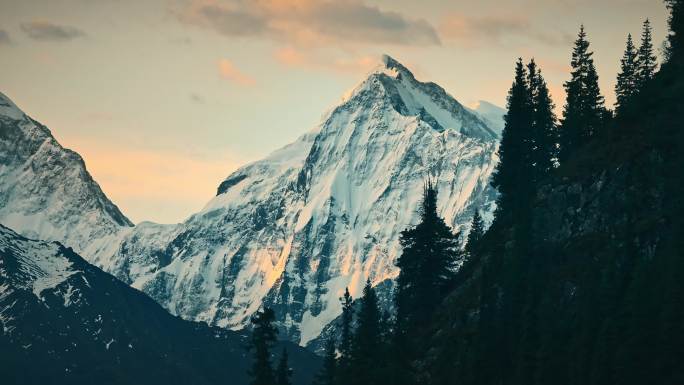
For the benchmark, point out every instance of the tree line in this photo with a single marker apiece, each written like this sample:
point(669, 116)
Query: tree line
point(510, 336)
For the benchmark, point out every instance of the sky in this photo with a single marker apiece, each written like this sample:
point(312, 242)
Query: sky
point(165, 98)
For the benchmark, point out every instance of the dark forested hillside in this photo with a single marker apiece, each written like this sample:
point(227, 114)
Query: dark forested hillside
point(596, 295)
point(65, 321)
point(580, 278)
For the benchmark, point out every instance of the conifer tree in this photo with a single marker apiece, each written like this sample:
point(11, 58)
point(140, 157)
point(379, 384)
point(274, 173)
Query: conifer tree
point(430, 253)
point(647, 61)
point(584, 111)
point(476, 230)
point(627, 82)
point(544, 135)
point(263, 338)
point(346, 336)
point(514, 174)
point(347, 318)
point(367, 340)
point(327, 374)
point(283, 372)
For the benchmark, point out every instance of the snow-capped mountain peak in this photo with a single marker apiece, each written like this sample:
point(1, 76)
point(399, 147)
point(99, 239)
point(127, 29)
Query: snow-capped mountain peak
point(426, 101)
point(292, 230)
point(391, 67)
point(46, 191)
point(490, 113)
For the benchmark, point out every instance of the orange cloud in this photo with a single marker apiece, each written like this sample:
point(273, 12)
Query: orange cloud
point(355, 64)
point(227, 70)
point(308, 22)
point(473, 31)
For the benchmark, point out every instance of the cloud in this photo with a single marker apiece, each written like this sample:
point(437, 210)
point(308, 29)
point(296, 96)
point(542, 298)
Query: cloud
point(46, 31)
point(355, 64)
point(309, 22)
point(4, 37)
point(493, 29)
point(227, 70)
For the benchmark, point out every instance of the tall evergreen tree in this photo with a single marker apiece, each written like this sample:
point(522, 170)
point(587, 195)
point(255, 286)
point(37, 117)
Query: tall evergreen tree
point(263, 338)
point(514, 175)
point(584, 111)
point(544, 135)
point(476, 230)
point(283, 372)
point(647, 61)
point(627, 80)
point(328, 373)
point(346, 336)
point(430, 253)
point(346, 327)
point(367, 340)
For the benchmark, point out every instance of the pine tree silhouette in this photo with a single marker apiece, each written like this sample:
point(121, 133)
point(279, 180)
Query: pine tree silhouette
point(263, 338)
point(627, 80)
point(430, 253)
point(366, 360)
point(647, 62)
point(476, 230)
point(344, 375)
point(544, 134)
point(584, 111)
point(514, 175)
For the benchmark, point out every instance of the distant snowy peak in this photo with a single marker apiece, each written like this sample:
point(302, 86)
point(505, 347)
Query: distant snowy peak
point(492, 114)
point(46, 191)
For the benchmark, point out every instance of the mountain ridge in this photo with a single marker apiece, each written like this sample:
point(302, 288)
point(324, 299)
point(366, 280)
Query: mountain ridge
point(46, 190)
point(292, 230)
point(80, 325)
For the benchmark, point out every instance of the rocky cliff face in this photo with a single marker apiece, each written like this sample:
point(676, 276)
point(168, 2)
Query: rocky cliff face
point(46, 191)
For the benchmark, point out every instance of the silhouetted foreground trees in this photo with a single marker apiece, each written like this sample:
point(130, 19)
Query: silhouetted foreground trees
point(580, 278)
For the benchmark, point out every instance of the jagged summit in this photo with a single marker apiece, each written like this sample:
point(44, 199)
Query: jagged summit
point(290, 231)
point(392, 83)
point(392, 67)
point(8, 109)
point(46, 191)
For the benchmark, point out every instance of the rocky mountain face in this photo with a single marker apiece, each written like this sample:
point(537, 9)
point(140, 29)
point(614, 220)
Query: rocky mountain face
point(293, 230)
point(46, 191)
point(80, 325)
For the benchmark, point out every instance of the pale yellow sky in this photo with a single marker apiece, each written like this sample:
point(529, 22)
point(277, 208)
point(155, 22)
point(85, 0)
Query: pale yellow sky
point(164, 98)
